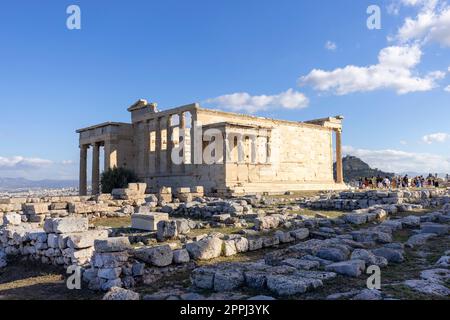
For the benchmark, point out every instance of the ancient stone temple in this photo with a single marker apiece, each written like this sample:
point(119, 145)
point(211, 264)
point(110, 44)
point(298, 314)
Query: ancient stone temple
point(226, 153)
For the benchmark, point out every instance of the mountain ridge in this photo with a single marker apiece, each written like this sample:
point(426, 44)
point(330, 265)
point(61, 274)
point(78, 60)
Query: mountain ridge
point(22, 183)
point(355, 168)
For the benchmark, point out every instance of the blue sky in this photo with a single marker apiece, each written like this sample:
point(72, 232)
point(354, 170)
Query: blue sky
point(233, 55)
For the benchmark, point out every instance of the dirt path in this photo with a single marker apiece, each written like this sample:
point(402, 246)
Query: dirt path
point(35, 281)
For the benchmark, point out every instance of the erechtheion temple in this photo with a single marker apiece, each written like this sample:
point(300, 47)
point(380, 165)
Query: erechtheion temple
point(250, 154)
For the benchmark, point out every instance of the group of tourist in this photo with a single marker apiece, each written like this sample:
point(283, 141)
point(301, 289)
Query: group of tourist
point(399, 182)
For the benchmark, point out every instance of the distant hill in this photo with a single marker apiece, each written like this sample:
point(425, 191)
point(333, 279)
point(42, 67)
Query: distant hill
point(21, 183)
point(354, 168)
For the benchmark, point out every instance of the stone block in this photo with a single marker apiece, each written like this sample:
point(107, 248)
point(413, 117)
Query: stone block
point(229, 248)
point(241, 244)
point(109, 273)
point(285, 285)
point(439, 229)
point(148, 222)
point(203, 278)
point(166, 230)
point(351, 268)
point(228, 280)
point(85, 239)
point(159, 256)
point(165, 190)
point(255, 244)
point(36, 208)
point(205, 249)
point(52, 240)
point(116, 244)
point(59, 206)
point(356, 218)
point(12, 219)
point(182, 190)
point(139, 187)
point(109, 259)
point(300, 234)
point(181, 256)
point(117, 294)
point(66, 225)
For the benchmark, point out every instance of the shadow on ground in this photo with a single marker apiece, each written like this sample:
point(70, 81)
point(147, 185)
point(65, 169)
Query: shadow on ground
point(25, 280)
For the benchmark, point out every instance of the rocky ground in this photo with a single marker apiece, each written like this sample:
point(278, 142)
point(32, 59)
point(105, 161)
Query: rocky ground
point(414, 265)
point(285, 247)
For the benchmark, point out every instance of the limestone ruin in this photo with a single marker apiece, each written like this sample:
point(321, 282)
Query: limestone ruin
point(258, 154)
point(170, 233)
point(194, 231)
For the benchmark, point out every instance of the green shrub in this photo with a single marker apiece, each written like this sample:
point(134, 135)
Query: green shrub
point(117, 178)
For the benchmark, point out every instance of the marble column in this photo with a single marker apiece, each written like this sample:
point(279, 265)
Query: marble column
point(182, 141)
point(158, 145)
point(169, 144)
point(146, 128)
point(339, 170)
point(95, 168)
point(196, 141)
point(83, 170)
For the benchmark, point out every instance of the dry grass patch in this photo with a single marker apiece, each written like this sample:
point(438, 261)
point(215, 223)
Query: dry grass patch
point(116, 222)
point(312, 213)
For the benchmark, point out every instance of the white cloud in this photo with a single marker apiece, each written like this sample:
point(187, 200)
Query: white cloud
point(403, 142)
point(401, 161)
point(331, 46)
point(393, 8)
point(424, 3)
point(243, 101)
point(393, 71)
point(432, 24)
point(37, 168)
point(447, 88)
point(20, 163)
point(436, 137)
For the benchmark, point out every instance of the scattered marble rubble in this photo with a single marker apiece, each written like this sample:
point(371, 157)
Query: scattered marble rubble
point(352, 200)
point(56, 230)
point(308, 265)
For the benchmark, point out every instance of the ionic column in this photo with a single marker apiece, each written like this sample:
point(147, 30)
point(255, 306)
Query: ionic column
point(83, 170)
point(146, 148)
point(95, 168)
point(169, 144)
point(339, 172)
point(158, 145)
point(196, 142)
point(182, 144)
